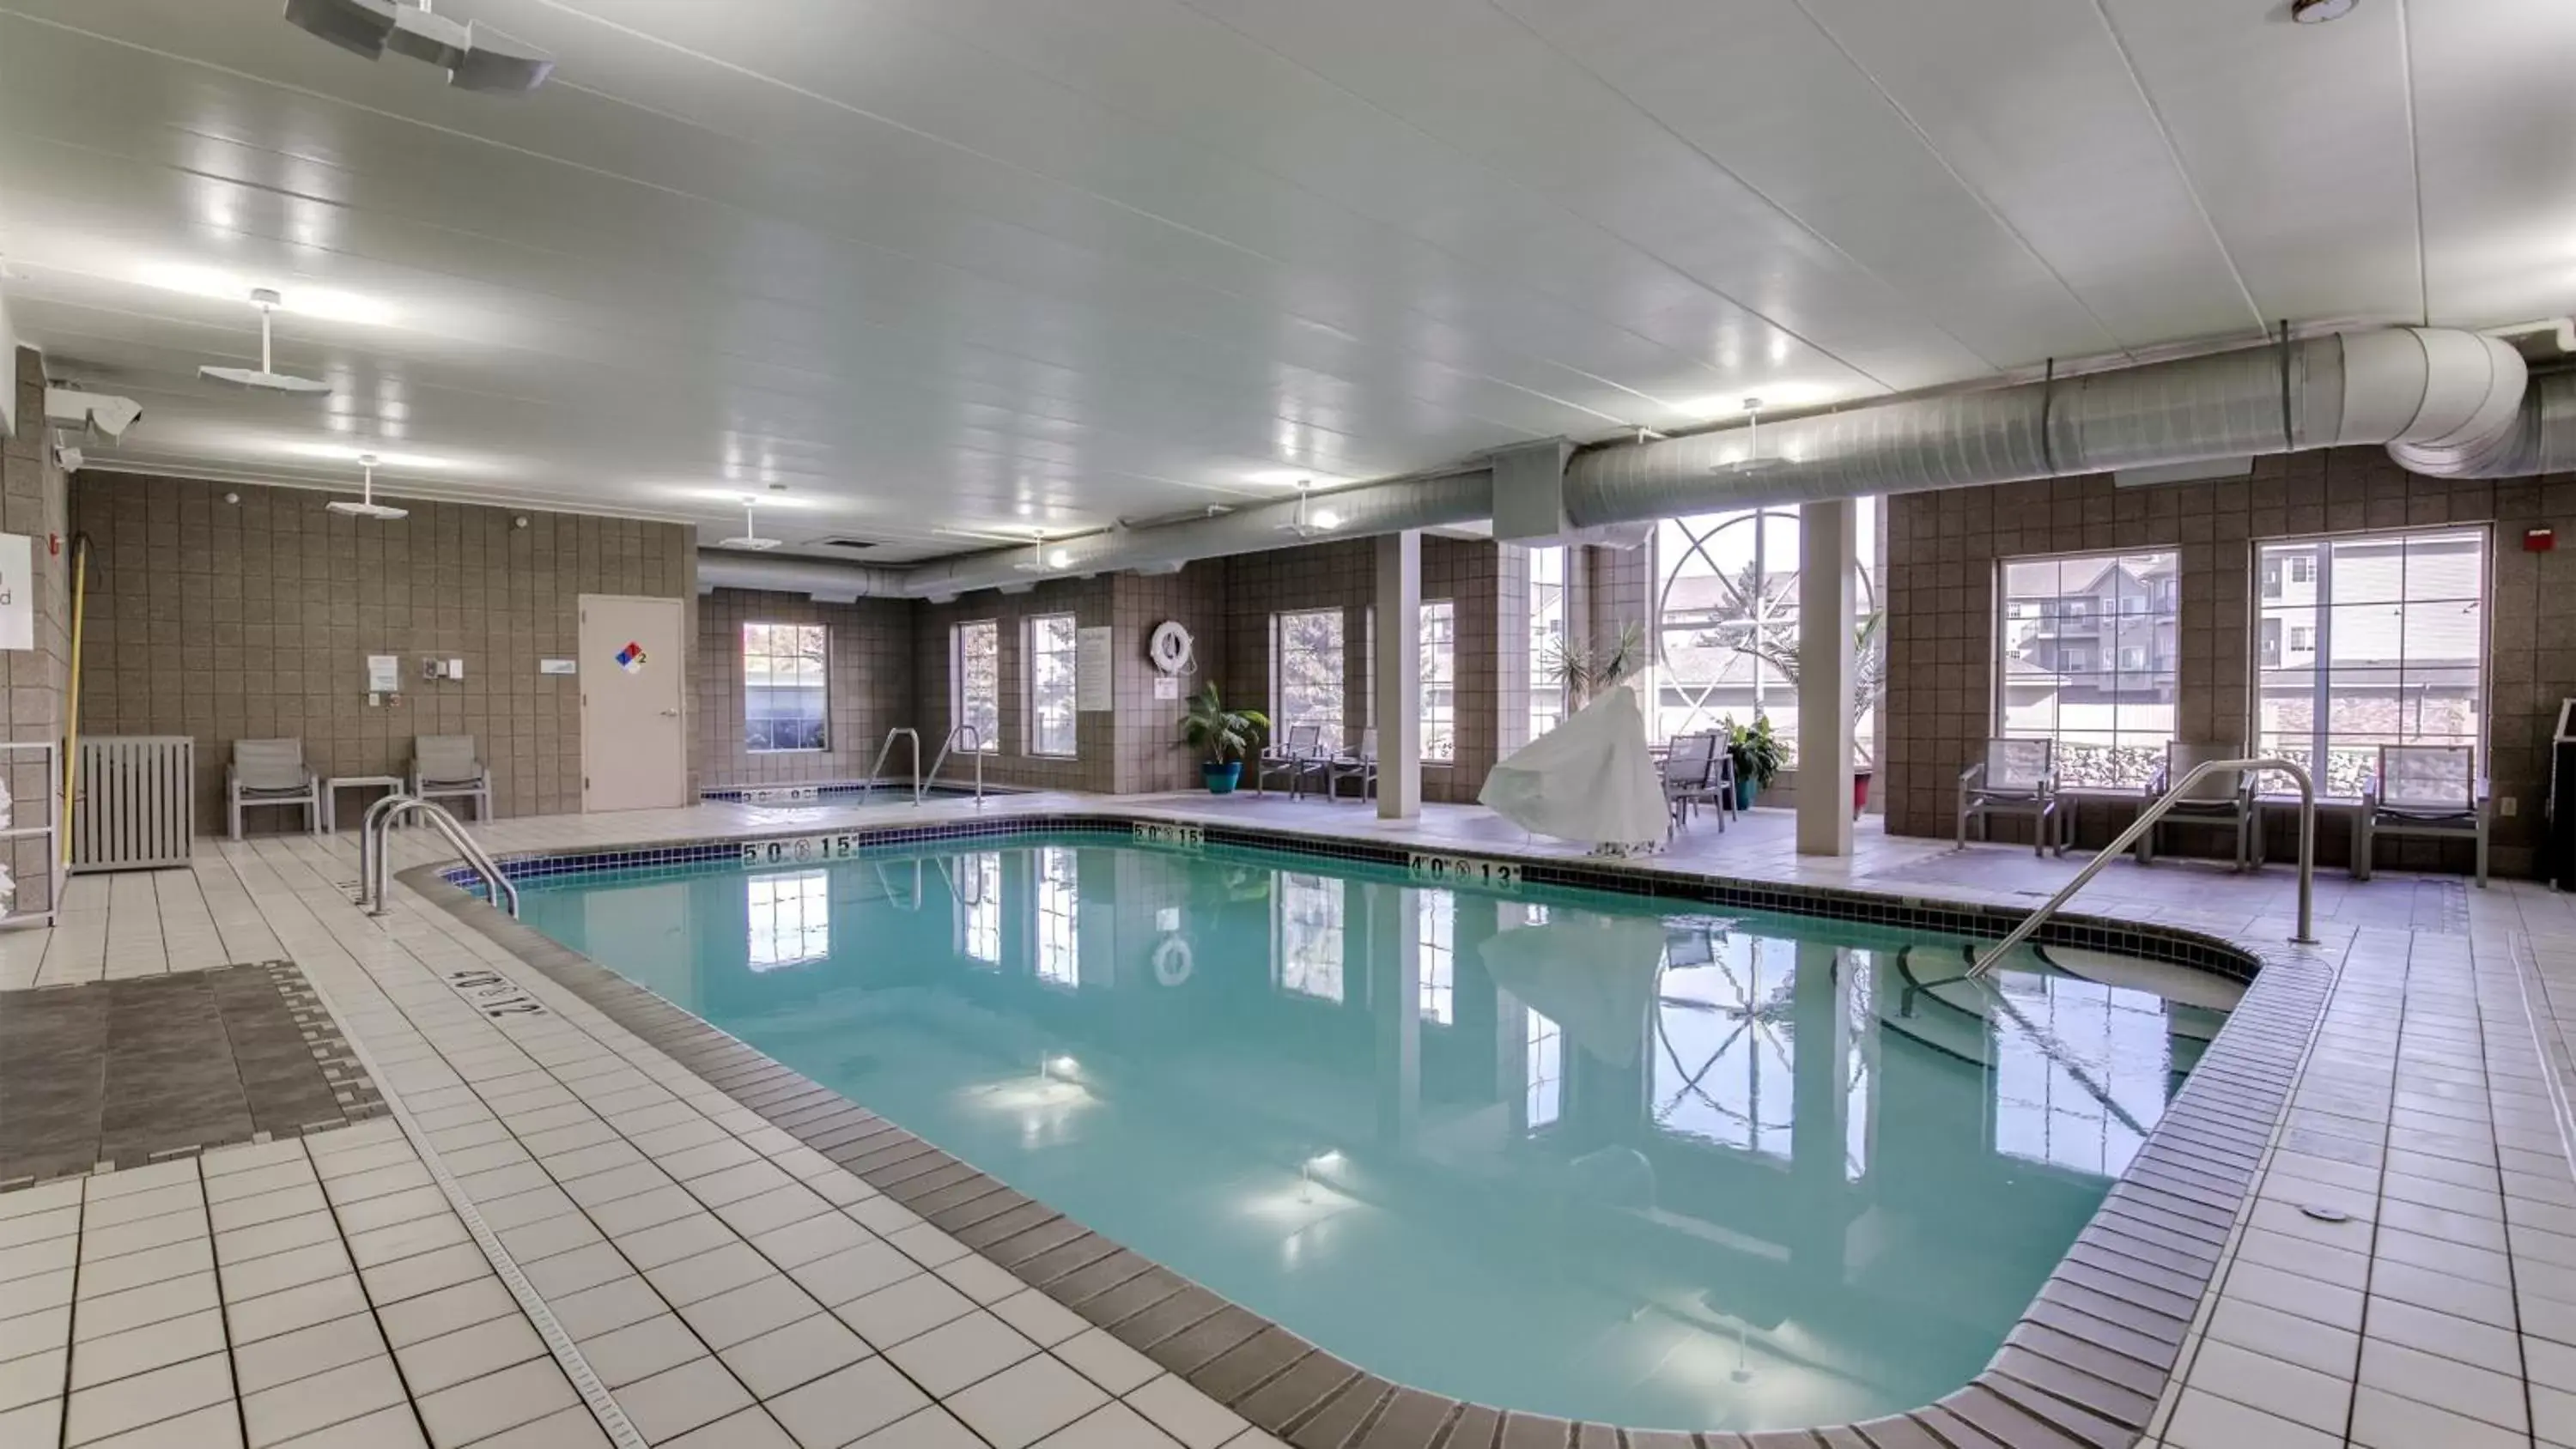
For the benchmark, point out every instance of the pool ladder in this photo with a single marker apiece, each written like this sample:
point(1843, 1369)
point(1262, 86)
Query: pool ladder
point(921, 783)
point(2146, 821)
point(373, 851)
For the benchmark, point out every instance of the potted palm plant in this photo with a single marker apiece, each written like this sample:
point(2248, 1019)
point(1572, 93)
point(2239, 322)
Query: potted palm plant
point(1757, 757)
point(1224, 736)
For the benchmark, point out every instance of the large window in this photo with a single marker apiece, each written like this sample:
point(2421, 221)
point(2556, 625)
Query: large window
point(2367, 640)
point(978, 880)
point(1436, 920)
point(1051, 684)
point(2086, 657)
point(1306, 672)
point(790, 918)
point(1439, 680)
point(975, 680)
point(2081, 1071)
point(1306, 927)
point(1059, 917)
point(1546, 637)
point(1726, 623)
point(784, 696)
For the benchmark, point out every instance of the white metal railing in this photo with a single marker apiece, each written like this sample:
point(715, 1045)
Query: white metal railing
point(2146, 821)
point(877, 770)
point(374, 849)
point(975, 747)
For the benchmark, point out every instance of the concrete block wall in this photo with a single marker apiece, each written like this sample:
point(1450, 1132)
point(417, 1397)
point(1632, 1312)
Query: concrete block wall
point(1091, 602)
point(252, 619)
point(1943, 549)
point(33, 683)
point(870, 669)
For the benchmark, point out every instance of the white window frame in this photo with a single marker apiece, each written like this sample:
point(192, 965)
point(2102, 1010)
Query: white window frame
point(1547, 630)
point(979, 907)
point(1436, 951)
point(763, 678)
point(1283, 713)
point(788, 917)
point(963, 707)
point(1057, 659)
point(1309, 935)
point(2097, 660)
point(1058, 928)
point(1439, 687)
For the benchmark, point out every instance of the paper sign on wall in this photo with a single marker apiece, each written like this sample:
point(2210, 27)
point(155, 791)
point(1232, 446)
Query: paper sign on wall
point(1166, 687)
point(384, 673)
point(556, 666)
point(17, 591)
point(1091, 682)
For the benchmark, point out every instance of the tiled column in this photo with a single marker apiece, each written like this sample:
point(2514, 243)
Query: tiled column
point(1828, 559)
point(1398, 694)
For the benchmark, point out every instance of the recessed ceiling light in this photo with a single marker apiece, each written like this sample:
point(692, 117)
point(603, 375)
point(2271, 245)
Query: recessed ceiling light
point(2318, 12)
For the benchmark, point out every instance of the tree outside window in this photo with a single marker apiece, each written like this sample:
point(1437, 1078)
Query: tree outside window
point(975, 675)
point(1727, 623)
point(1306, 669)
point(1439, 680)
point(1051, 684)
point(785, 693)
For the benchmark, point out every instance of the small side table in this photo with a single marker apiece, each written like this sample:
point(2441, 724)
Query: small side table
point(332, 787)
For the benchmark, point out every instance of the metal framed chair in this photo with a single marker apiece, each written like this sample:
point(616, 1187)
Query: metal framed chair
point(1296, 757)
point(444, 767)
point(2422, 790)
point(2019, 778)
point(1691, 775)
point(1359, 765)
point(2223, 798)
point(270, 772)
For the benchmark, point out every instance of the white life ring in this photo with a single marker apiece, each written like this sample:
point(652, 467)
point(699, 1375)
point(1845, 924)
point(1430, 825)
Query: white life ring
point(1170, 649)
point(1172, 962)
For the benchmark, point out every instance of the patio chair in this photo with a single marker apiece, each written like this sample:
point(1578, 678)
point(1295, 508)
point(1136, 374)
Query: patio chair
point(444, 767)
point(2017, 777)
point(1298, 758)
point(1359, 764)
point(270, 772)
point(2422, 790)
point(2223, 798)
point(1691, 772)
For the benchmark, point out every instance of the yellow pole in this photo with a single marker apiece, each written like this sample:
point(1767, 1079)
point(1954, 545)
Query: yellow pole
point(71, 744)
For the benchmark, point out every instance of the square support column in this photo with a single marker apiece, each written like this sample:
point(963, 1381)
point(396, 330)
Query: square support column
point(1398, 694)
point(1828, 563)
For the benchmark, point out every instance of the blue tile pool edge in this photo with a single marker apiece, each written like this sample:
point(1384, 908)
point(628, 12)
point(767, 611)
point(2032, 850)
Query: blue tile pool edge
point(2085, 1365)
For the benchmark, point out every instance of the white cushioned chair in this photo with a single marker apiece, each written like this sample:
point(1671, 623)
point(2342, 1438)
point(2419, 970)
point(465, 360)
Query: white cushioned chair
point(270, 772)
point(2017, 777)
point(2221, 798)
point(444, 767)
point(2422, 790)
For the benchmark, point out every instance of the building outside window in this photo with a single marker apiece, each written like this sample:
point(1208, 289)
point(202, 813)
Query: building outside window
point(1436, 921)
point(1051, 684)
point(790, 918)
point(979, 906)
point(2087, 656)
point(785, 695)
point(1439, 680)
point(1059, 917)
point(1306, 672)
point(1306, 915)
point(2373, 639)
point(975, 680)
point(1546, 637)
point(1726, 622)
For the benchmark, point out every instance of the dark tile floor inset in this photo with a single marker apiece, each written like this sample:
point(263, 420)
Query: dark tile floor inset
point(128, 1071)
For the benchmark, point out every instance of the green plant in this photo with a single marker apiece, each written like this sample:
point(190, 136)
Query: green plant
point(1584, 669)
point(1869, 663)
point(1756, 750)
point(1221, 734)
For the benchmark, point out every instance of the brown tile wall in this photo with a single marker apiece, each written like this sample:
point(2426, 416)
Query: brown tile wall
point(1943, 548)
point(1091, 602)
point(33, 501)
point(871, 652)
point(249, 620)
point(1150, 753)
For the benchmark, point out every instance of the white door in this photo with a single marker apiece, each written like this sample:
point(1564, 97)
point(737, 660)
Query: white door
point(634, 738)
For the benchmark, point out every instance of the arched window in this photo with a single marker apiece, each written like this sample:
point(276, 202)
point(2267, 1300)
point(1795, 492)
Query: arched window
point(1726, 622)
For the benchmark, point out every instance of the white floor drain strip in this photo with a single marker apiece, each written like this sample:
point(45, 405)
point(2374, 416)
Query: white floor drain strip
point(603, 1406)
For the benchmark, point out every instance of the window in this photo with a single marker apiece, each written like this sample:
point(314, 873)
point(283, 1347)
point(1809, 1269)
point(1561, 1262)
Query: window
point(1059, 917)
point(975, 680)
point(1306, 672)
point(1726, 623)
point(2078, 663)
point(1051, 684)
point(979, 906)
point(1306, 935)
point(1544, 1070)
point(790, 918)
point(1547, 636)
point(783, 689)
point(2387, 647)
point(1439, 680)
point(1437, 921)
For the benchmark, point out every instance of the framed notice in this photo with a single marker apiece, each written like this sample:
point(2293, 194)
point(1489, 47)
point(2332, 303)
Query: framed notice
point(1091, 682)
point(17, 591)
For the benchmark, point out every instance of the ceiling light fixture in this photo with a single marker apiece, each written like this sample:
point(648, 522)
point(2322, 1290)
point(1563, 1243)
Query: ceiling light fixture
point(1752, 462)
point(1042, 559)
point(2318, 12)
point(267, 378)
point(1306, 522)
point(366, 505)
point(475, 57)
point(750, 538)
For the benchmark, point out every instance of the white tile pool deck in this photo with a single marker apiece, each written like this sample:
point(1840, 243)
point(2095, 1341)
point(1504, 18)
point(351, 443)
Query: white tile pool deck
point(728, 1286)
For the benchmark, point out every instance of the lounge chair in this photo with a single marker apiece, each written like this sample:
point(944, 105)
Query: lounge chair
point(2422, 790)
point(270, 772)
point(1297, 758)
point(2223, 798)
point(1359, 764)
point(444, 767)
point(1694, 768)
point(2017, 777)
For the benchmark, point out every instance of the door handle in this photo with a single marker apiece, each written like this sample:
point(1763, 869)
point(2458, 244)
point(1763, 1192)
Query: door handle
point(670, 714)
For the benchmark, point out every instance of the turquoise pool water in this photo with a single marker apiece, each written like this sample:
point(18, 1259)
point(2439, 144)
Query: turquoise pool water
point(1564, 1152)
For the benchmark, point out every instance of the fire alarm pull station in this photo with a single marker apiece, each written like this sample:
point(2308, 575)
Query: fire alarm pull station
point(2539, 540)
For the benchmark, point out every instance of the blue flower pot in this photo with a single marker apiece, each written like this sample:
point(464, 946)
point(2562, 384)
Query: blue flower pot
point(1221, 779)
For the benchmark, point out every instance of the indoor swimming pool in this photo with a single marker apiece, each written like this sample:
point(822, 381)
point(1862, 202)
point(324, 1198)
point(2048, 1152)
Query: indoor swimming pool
point(1574, 1153)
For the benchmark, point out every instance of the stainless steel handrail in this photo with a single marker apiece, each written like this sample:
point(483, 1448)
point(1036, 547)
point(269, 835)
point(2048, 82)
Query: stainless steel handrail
point(503, 893)
point(940, 761)
point(368, 845)
point(877, 769)
point(2146, 821)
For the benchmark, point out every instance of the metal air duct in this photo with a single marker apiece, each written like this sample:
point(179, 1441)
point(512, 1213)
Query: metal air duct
point(825, 579)
point(2541, 438)
point(2405, 387)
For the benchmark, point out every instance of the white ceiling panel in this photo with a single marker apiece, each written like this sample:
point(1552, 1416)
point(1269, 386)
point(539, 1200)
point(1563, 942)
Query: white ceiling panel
point(943, 265)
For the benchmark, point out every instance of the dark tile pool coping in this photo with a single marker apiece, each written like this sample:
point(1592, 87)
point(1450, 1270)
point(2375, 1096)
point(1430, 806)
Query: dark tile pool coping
point(2086, 1364)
